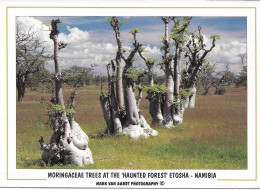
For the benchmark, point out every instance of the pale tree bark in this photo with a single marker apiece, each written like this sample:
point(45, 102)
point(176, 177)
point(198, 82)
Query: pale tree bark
point(136, 124)
point(192, 97)
point(178, 37)
point(132, 126)
point(69, 143)
point(119, 81)
point(168, 65)
point(155, 107)
point(178, 109)
point(167, 110)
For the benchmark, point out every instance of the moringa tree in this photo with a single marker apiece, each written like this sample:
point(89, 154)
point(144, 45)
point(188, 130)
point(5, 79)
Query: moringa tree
point(68, 143)
point(30, 59)
point(116, 24)
point(167, 108)
point(154, 92)
point(128, 118)
point(165, 102)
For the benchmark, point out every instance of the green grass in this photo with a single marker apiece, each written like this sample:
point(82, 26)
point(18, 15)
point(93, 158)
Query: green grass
point(212, 136)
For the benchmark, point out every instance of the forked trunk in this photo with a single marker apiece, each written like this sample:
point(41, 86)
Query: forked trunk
point(126, 118)
point(135, 125)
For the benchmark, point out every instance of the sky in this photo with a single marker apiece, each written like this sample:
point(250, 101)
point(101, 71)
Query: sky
point(91, 40)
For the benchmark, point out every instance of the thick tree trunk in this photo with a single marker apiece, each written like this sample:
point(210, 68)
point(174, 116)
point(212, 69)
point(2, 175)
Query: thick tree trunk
point(150, 77)
point(20, 85)
point(146, 127)
point(167, 109)
point(115, 115)
point(135, 125)
point(178, 114)
point(155, 108)
point(21, 92)
point(106, 108)
point(132, 126)
point(178, 108)
point(192, 97)
point(130, 103)
point(167, 106)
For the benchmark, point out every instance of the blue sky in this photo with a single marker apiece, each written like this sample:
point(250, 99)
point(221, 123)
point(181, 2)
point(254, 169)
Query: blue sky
point(91, 39)
point(99, 23)
point(225, 24)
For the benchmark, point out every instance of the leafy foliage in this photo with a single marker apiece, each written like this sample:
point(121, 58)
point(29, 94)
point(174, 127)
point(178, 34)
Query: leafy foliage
point(216, 36)
point(30, 58)
point(185, 92)
point(179, 30)
point(55, 110)
point(157, 88)
point(134, 30)
point(35, 80)
point(120, 22)
point(151, 60)
point(78, 76)
point(59, 108)
point(132, 73)
point(208, 77)
point(241, 80)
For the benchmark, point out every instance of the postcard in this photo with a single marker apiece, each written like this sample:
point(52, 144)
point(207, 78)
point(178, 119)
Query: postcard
point(129, 94)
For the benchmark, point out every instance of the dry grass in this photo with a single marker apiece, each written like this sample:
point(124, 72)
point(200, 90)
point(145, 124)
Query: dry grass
point(213, 135)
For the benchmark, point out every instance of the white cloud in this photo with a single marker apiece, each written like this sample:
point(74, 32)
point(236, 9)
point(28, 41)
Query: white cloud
point(81, 50)
point(76, 35)
point(152, 52)
point(42, 31)
point(227, 53)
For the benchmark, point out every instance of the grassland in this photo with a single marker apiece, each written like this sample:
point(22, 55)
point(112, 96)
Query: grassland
point(213, 135)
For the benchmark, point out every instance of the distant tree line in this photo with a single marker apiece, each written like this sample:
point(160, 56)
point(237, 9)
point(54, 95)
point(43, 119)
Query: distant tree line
point(208, 78)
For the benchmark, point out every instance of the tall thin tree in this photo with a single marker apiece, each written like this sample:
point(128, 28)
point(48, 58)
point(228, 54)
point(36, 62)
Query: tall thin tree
point(69, 143)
